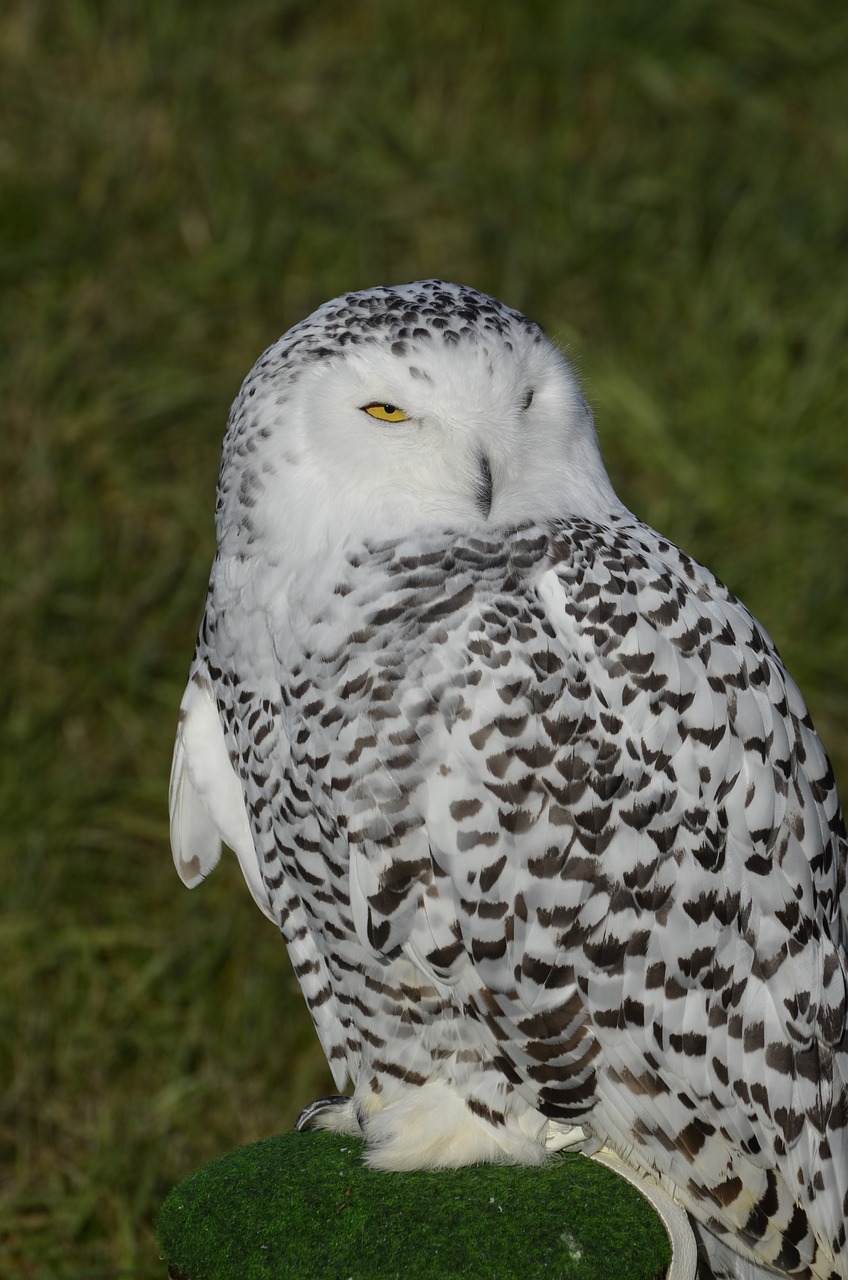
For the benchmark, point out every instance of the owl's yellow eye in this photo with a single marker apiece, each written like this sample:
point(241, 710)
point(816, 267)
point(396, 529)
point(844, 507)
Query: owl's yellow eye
point(385, 412)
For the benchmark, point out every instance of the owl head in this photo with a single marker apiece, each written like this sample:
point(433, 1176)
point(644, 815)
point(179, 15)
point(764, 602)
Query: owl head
point(397, 408)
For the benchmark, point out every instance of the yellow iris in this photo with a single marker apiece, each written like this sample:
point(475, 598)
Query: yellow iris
point(385, 412)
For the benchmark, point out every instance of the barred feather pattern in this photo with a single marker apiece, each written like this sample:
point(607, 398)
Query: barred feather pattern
point(543, 817)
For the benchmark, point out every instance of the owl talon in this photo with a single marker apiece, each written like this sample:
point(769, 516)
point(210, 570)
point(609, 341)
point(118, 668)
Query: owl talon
point(309, 1116)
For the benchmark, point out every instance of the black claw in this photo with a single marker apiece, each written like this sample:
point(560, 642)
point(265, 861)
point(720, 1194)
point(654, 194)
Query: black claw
point(310, 1114)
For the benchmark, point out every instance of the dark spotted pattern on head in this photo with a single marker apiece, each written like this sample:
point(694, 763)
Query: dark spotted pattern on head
point(542, 815)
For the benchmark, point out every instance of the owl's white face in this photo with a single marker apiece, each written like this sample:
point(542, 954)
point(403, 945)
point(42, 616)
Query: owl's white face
point(401, 427)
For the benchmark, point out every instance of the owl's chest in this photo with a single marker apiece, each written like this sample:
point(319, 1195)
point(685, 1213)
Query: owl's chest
point(357, 707)
point(358, 653)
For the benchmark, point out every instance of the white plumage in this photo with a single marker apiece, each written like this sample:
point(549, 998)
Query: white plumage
point(544, 822)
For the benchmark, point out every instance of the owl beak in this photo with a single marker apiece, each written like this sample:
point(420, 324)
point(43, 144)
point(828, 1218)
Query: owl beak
point(483, 488)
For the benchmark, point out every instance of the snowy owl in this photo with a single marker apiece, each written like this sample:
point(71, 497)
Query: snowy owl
point(544, 822)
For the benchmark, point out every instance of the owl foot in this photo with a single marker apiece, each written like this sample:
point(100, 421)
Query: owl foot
point(335, 1113)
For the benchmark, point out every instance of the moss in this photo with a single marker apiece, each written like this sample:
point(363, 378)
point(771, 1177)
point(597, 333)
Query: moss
point(305, 1205)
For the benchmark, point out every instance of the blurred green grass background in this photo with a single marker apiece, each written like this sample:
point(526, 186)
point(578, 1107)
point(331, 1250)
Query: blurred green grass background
point(664, 187)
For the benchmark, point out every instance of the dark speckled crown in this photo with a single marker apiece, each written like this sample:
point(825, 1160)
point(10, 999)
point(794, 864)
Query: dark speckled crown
point(393, 315)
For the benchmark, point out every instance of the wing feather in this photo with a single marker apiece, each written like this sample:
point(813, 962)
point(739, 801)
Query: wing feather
point(629, 847)
point(206, 799)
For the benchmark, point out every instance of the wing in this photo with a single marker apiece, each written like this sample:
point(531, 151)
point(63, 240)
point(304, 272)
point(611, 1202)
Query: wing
point(595, 809)
point(716, 981)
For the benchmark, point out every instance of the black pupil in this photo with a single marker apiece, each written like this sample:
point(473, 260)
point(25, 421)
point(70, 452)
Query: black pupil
point(389, 408)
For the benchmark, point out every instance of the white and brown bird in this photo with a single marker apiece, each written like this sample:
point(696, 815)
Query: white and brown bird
point(543, 820)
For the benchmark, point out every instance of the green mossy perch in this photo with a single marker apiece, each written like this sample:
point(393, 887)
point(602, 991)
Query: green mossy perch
point(304, 1205)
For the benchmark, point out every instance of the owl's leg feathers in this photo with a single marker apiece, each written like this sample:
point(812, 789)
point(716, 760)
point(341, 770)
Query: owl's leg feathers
point(436, 1126)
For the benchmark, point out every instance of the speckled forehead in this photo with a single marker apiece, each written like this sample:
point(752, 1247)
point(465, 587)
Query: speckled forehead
point(402, 320)
point(424, 311)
